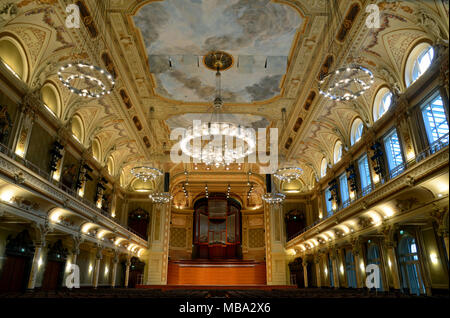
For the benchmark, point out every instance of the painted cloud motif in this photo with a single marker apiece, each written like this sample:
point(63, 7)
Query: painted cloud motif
point(258, 33)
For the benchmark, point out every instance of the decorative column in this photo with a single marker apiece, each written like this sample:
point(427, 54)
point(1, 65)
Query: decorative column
point(26, 121)
point(114, 268)
point(335, 267)
point(158, 256)
point(98, 258)
point(309, 212)
point(317, 259)
point(305, 272)
point(392, 263)
point(403, 126)
point(127, 270)
point(76, 248)
point(274, 241)
point(35, 264)
point(440, 216)
point(41, 231)
point(114, 199)
point(360, 273)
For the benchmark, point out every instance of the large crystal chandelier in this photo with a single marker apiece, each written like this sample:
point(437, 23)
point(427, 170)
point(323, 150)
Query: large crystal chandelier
point(216, 142)
point(146, 173)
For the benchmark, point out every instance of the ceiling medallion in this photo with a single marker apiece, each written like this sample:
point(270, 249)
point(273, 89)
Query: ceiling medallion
point(161, 197)
point(146, 173)
point(98, 81)
point(288, 174)
point(274, 198)
point(218, 61)
point(346, 83)
point(216, 142)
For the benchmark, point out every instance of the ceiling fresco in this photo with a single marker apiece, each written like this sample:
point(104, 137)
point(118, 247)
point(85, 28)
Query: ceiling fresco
point(259, 34)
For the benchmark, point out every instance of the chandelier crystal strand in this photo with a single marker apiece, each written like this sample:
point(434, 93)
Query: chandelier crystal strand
point(161, 197)
point(347, 83)
point(288, 174)
point(274, 198)
point(146, 173)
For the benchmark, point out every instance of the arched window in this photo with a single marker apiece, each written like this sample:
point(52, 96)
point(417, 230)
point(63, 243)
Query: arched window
point(110, 165)
point(13, 57)
point(382, 102)
point(337, 151)
point(410, 266)
point(96, 150)
point(323, 168)
point(50, 98)
point(357, 130)
point(419, 60)
point(77, 128)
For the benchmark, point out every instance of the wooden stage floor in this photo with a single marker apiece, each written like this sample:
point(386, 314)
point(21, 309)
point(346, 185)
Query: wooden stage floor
point(219, 272)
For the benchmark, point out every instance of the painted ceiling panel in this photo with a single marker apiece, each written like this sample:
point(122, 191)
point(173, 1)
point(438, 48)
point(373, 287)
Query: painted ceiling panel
point(258, 33)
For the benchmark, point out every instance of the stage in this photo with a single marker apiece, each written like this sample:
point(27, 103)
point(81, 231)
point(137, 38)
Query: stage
point(207, 272)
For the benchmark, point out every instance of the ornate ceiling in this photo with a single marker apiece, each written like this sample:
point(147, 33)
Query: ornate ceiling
point(258, 34)
point(280, 45)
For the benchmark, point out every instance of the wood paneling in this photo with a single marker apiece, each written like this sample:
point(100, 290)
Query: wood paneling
point(217, 273)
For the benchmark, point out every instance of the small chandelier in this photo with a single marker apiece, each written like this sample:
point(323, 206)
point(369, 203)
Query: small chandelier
point(346, 83)
point(288, 174)
point(274, 198)
point(161, 197)
point(99, 82)
point(146, 173)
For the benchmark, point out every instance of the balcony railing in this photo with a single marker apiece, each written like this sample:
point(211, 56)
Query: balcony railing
point(396, 172)
point(44, 174)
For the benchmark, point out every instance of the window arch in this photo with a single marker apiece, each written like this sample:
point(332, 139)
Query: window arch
point(78, 128)
point(382, 103)
point(337, 153)
point(51, 99)
point(110, 165)
point(418, 62)
point(13, 57)
point(96, 150)
point(323, 168)
point(356, 131)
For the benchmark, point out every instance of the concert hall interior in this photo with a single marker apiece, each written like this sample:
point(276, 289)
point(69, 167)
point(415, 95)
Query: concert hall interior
point(285, 148)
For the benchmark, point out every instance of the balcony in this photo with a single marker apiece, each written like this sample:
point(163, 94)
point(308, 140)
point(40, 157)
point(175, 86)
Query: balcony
point(77, 202)
point(395, 174)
